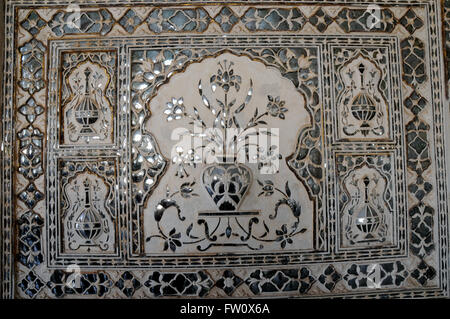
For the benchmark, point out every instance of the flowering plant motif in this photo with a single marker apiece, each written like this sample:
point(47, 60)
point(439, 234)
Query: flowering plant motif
point(186, 190)
point(267, 188)
point(174, 109)
point(173, 240)
point(283, 236)
point(216, 139)
point(275, 107)
point(225, 78)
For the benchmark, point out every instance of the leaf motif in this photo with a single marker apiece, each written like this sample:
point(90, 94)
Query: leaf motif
point(159, 213)
point(206, 102)
point(189, 229)
point(288, 190)
point(217, 120)
point(177, 235)
point(266, 230)
point(228, 232)
point(265, 226)
point(147, 65)
point(220, 103)
point(240, 108)
point(249, 93)
point(236, 122)
point(204, 98)
point(200, 90)
point(184, 185)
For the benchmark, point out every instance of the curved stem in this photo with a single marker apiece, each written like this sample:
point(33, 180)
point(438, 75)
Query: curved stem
point(155, 236)
point(280, 191)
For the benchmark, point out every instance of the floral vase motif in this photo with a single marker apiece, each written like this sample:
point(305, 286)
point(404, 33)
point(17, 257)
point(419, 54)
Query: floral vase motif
point(88, 224)
point(227, 184)
point(368, 220)
point(364, 106)
point(87, 112)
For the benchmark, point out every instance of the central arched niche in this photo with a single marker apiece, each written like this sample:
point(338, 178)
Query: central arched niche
point(263, 214)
